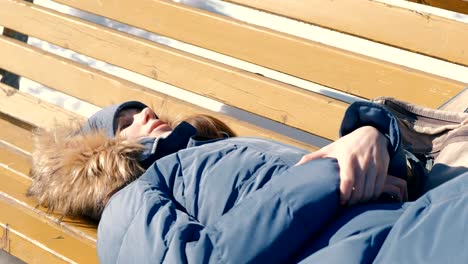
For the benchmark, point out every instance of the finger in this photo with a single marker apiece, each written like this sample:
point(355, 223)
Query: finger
point(381, 178)
point(400, 183)
point(369, 184)
point(347, 181)
point(379, 184)
point(355, 173)
point(358, 190)
point(311, 156)
point(393, 190)
point(347, 178)
point(346, 189)
point(405, 194)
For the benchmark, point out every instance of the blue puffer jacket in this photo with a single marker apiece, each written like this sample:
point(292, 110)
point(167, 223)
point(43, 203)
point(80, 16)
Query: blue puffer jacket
point(241, 200)
point(232, 201)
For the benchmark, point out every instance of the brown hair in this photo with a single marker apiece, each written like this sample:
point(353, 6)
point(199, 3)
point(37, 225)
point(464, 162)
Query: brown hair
point(210, 127)
point(207, 126)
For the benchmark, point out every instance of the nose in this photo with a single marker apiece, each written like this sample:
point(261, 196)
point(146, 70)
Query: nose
point(145, 115)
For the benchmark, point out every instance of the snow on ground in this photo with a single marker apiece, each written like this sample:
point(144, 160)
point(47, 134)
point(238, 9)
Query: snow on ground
point(255, 17)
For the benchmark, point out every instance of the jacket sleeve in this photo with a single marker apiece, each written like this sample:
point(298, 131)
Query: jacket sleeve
point(433, 229)
point(363, 113)
point(267, 226)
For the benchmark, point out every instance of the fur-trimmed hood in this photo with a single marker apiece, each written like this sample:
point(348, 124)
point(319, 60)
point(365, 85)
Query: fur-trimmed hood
point(77, 168)
point(75, 172)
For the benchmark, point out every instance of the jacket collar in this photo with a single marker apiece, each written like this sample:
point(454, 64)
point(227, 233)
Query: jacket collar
point(156, 148)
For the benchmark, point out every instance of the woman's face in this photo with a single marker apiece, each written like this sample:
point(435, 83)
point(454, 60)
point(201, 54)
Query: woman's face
point(133, 123)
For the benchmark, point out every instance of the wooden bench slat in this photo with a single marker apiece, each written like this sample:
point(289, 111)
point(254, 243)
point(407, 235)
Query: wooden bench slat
point(34, 241)
point(303, 109)
point(14, 168)
point(31, 110)
point(108, 90)
point(460, 6)
point(26, 249)
point(37, 236)
point(457, 104)
point(391, 24)
point(16, 136)
point(14, 186)
point(329, 66)
point(19, 162)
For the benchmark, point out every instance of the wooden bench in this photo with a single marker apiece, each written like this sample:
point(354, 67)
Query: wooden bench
point(37, 236)
point(460, 6)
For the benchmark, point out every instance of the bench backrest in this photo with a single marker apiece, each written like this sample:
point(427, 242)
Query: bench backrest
point(337, 68)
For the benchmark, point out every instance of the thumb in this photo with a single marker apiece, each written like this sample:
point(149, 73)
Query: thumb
point(311, 156)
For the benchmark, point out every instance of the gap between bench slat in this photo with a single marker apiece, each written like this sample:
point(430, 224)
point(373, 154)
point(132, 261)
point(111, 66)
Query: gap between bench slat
point(76, 80)
point(18, 137)
point(349, 72)
point(391, 24)
point(250, 92)
point(35, 241)
point(14, 187)
point(14, 178)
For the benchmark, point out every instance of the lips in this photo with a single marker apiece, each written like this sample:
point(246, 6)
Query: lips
point(159, 125)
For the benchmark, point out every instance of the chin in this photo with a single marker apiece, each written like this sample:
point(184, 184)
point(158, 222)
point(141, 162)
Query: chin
point(160, 133)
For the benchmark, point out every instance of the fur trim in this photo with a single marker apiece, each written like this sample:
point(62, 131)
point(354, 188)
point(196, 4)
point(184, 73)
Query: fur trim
point(74, 172)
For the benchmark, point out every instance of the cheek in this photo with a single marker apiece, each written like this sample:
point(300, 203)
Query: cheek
point(123, 133)
point(134, 131)
point(129, 132)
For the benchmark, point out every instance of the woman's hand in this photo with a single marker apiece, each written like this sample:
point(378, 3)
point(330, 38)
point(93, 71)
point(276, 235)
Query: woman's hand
point(363, 159)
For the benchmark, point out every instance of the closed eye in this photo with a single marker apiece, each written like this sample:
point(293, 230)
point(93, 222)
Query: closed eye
point(125, 118)
point(124, 126)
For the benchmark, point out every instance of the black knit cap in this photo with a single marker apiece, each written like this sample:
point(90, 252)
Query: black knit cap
point(105, 118)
